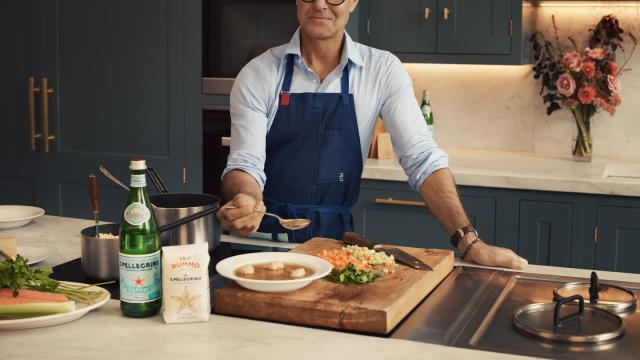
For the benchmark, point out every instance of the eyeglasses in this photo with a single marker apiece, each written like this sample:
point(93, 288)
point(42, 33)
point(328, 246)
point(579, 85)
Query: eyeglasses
point(330, 2)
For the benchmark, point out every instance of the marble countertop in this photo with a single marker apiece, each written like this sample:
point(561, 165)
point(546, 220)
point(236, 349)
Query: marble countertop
point(527, 171)
point(105, 334)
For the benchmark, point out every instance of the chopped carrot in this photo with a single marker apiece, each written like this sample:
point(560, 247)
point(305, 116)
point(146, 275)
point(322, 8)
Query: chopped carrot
point(29, 297)
point(339, 259)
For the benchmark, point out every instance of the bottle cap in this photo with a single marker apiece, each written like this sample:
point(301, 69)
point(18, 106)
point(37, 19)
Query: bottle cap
point(138, 164)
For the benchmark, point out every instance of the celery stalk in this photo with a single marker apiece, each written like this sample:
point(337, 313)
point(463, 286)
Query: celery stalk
point(36, 309)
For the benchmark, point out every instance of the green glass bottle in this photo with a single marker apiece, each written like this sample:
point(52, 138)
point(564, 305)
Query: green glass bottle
point(426, 110)
point(140, 273)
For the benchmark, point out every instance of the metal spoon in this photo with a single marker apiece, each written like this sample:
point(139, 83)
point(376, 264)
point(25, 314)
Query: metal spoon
point(106, 173)
point(291, 224)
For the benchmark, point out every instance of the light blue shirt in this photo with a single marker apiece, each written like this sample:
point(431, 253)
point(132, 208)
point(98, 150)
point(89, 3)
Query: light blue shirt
point(380, 85)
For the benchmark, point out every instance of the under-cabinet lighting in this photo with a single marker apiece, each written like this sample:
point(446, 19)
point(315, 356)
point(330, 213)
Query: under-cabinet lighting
point(589, 3)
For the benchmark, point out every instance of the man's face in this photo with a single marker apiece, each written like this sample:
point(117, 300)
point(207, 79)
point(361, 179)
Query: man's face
point(320, 20)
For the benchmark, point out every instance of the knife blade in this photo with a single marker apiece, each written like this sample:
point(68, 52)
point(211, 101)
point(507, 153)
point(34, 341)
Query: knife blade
point(352, 238)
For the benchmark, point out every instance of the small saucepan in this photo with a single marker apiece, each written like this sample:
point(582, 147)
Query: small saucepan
point(99, 256)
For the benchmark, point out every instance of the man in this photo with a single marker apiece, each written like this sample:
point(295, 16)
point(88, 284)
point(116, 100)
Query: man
point(302, 119)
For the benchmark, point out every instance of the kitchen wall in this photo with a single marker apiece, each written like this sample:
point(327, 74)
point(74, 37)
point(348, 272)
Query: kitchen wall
point(493, 107)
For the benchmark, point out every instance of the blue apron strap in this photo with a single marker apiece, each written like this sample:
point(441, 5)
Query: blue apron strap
point(286, 83)
point(344, 84)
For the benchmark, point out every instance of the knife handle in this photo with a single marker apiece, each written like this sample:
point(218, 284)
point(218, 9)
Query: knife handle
point(93, 190)
point(352, 238)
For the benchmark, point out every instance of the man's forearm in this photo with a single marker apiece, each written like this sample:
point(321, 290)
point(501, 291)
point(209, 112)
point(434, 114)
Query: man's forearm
point(441, 195)
point(239, 182)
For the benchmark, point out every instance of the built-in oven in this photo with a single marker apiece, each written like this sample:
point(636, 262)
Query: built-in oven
point(236, 31)
point(216, 132)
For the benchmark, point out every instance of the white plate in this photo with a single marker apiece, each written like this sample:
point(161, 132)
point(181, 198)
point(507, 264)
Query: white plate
point(13, 216)
point(33, 254)
point(227, 267)
point(55, 319)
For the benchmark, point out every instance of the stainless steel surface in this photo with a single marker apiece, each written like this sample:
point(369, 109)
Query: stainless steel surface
point(611, 297)
point(169, 208)
point(99, 256)
point(106, 173)
point(217, 86)
point(473, 308)
point(593, 326)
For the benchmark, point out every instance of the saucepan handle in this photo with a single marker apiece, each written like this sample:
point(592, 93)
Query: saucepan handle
point(558, 320)
point(188, 219)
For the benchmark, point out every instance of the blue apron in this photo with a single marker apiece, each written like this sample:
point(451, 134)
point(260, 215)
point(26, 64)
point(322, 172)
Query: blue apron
point(314, 161)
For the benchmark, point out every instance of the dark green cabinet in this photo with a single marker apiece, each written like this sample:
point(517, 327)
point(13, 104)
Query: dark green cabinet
point(547, 228)
point(117, 74)
point(615, 240)
point(402, 26)
point(20, 170)
point(390, 212)
point(449, 31)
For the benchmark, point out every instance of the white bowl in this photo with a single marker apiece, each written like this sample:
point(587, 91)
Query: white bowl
point(13, 216)
point(320, 267)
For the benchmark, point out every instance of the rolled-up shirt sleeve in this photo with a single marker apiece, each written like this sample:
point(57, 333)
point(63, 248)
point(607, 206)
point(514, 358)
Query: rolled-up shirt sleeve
point(417, 151)
point(249, 120)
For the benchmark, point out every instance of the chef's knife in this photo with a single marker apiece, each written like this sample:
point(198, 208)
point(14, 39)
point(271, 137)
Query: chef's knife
point(352, 238)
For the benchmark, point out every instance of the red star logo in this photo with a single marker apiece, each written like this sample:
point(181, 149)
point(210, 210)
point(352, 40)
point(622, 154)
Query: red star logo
point(138, 281)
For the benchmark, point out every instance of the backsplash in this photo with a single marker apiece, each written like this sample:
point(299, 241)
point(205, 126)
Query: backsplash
point(494, 107)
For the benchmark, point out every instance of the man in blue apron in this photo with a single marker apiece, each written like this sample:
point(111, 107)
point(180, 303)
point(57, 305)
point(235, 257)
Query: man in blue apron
point(302, 118)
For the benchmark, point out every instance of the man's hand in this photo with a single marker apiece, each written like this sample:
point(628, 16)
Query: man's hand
point(488, 255)
point(238, 216)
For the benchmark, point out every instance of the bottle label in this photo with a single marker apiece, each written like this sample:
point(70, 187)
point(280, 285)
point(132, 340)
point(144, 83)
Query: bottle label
point(138, 180)
point(137, 214)
point(140, 277)
point(426, 110)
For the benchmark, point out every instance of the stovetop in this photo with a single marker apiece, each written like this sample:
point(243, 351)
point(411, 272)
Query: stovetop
point(473, 308)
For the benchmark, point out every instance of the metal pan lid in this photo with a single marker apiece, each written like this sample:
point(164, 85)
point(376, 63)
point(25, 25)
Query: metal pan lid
point(609, 297)
point(568, 321)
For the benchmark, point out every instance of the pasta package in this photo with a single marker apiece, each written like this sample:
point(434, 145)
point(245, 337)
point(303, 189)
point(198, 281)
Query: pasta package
point(185, 283)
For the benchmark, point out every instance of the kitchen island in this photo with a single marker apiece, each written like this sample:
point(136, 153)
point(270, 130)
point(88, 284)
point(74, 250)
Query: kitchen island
point(105, 334)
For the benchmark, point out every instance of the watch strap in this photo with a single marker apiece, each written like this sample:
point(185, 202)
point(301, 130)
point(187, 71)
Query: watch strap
point(460, 233)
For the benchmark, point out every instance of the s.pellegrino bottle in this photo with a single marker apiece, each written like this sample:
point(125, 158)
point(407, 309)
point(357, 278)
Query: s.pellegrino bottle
point(426, 110)
point(140, 273)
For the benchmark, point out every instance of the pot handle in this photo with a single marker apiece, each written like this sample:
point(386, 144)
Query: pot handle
point(557, 320)
point(187, 219)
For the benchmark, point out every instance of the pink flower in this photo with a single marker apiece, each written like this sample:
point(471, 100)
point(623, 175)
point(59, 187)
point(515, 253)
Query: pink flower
point(615, 99)
point(597, 53)
point(588, 69)
point(604, 105)
point(566, 84)
point(614, 84)
point(586, 95)
point(613, 68)
point(571, 61)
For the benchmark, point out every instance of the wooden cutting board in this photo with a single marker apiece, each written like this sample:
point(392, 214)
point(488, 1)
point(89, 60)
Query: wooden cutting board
point(376, 307)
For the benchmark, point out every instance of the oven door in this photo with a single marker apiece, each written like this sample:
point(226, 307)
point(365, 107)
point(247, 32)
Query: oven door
point(236, 31)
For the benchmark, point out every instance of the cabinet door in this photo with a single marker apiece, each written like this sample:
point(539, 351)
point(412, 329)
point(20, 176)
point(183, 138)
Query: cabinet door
point(546, 227)
point(20, 171)
point(618, 238)
point(116, 69)
point(392, 213)
point(402, 26)
point(474, 27)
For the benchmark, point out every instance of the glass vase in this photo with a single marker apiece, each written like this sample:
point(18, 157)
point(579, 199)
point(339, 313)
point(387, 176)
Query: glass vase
point(583, 147)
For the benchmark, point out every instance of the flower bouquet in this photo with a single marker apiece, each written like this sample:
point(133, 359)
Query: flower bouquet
point(583, 81)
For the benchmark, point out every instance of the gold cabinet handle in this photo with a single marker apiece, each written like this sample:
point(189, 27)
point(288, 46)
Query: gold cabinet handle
point(427, 12)
point(32, 90)
point(445, 13)
point(44, 92)
point(225, 141)
point(391, 201)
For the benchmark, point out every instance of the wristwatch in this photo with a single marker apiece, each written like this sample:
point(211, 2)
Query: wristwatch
point(460, 233)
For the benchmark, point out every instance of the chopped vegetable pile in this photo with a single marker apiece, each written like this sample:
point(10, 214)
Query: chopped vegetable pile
point(355, 265)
